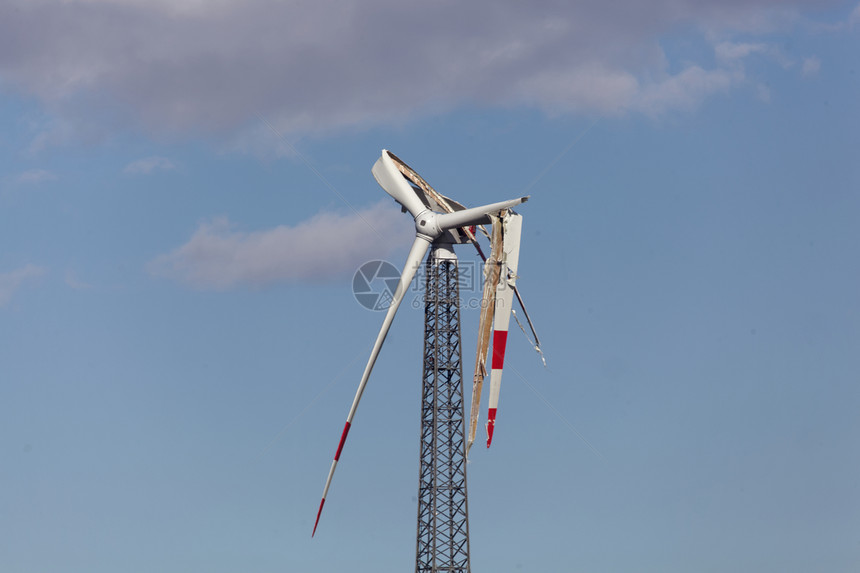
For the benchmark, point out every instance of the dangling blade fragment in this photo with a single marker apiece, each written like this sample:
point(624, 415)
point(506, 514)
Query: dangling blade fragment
point(510, 254)
point(492, 273)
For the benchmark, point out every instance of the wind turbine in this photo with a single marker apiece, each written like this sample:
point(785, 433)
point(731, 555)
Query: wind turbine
point(500, 285)
point(439, 222)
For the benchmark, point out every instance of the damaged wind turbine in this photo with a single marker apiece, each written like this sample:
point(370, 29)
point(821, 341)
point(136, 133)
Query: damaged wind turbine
point(431, 227)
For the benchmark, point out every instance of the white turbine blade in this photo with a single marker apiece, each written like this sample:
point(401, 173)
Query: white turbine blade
point(475, 215)
point(512, 224)
point(416, 255)
point(395, 184)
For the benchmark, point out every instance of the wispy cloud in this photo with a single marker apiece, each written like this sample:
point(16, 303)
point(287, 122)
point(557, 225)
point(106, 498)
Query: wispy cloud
point(34, 176)
point(325, 247)
point(613, 92)
point(810, 66)
point(148, 165)
point(69, 128)
point(73, 282)
point(733, 51)
point(686, 89)
point(311, 66)
point(12, 281)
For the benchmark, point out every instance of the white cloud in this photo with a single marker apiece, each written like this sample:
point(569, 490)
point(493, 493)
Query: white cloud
point(325, 247)
point(810, 66)
point(13, 280)
point(148, 165)
point(583, 88)
point(73, 282)
point(315, 65)
point(36, 176)
point(72, 128)
point(260, 141)
point(854, 19)
point(685, 90)
point(762, 92)
point(614, 92)
point(731, 51)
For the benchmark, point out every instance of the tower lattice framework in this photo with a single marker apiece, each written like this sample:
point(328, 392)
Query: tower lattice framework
point(443, 509)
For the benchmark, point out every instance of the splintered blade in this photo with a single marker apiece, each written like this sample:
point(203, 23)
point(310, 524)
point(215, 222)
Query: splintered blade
point(492, 273)
point(510, 254)
point(416, 255)
point(395, 184)
point(446, 204)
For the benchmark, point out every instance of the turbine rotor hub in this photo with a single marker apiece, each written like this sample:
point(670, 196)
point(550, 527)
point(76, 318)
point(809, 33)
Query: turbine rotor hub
point(427, 225)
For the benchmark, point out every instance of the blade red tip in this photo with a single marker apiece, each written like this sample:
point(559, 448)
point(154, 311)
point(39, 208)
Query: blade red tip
point(491, 425)
point(319, 512)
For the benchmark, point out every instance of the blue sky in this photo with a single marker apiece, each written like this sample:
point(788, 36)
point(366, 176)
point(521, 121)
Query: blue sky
point(180, 345)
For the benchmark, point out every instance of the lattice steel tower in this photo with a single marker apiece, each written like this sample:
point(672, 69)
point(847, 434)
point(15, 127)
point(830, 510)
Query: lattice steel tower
point(443, 509)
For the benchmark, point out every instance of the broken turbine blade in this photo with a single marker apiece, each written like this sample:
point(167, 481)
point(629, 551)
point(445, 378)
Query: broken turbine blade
point(492, 274)
point(512, 230)
point(395, 184)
